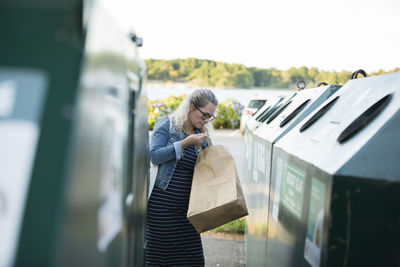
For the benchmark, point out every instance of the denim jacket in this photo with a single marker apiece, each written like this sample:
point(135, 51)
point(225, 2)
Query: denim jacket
point(166, 149)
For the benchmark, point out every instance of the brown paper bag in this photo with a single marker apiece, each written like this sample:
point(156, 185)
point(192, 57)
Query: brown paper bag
point(216, 197)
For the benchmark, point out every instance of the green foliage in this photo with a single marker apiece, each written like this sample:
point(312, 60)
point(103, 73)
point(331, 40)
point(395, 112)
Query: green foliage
point(380, 72)
point(209, 73)
point(157, 108)
point(228, 114)
point(236, 226)
point(202, 72)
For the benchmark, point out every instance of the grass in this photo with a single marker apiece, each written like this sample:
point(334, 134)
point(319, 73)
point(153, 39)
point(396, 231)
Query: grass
point(236, 227)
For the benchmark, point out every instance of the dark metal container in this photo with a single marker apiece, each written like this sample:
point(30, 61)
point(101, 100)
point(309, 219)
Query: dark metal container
point(73, 137)
point(291, 111)
point(335, 183)
point(251, 125)
point(255, 194)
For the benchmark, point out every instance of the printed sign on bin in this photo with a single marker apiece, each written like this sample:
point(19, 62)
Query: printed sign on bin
point(293, 190)
point(315, 225)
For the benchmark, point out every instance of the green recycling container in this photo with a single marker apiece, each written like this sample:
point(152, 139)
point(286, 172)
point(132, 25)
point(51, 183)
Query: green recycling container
point(263, 112)
point(288, 114)
point(254, 194)
point(252, 123)
point(335, 181)
point(269, 106)
point(73, 137)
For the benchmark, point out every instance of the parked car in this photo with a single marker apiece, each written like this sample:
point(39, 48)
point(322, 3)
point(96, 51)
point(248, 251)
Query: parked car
point(249, 110)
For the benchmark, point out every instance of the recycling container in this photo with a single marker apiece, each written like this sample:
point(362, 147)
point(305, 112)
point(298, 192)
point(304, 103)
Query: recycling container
point(255, 192)
point(252, 123)
point(73, 137)
point(335, 181)
point(263, 112)
point(292, 111)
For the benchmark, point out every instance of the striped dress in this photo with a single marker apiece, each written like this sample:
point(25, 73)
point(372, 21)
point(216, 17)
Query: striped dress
point(171, 239)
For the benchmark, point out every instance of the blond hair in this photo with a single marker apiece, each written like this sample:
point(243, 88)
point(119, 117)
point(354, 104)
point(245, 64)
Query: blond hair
point(199, 98)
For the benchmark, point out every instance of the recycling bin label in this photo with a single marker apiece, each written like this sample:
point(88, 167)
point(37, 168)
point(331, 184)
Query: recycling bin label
point(278, 184)
point(261, 157)
point(21, 99)
point(293, 190)
point(315, 225)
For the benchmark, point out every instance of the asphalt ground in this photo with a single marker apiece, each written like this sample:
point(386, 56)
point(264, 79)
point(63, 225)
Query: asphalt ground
point(223, 251)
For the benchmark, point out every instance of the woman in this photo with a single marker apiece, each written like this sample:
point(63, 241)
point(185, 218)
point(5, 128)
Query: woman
point(170, 238)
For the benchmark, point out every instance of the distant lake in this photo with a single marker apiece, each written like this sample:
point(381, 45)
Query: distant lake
point(241, 95)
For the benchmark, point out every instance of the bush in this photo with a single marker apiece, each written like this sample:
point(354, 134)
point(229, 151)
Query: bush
point(228, 115)
point(157, 108)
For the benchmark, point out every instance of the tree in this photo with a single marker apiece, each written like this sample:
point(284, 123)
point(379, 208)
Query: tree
point(209, 73)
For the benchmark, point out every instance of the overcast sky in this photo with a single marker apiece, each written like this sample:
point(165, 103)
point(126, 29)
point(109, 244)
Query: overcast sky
point(327, 34)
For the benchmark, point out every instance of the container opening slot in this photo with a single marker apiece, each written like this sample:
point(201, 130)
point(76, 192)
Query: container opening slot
point(364, 119)
point(318, 115)
point(294, 113)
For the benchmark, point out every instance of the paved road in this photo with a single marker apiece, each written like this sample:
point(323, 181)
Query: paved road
point(225, 252)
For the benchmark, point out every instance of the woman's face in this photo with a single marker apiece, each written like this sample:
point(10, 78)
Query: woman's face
point(199, 116)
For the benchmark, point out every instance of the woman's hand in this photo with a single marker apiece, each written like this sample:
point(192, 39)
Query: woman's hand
point(193, 139)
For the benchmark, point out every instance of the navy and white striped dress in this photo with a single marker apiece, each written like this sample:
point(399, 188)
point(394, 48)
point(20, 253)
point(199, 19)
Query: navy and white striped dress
point(171, 239)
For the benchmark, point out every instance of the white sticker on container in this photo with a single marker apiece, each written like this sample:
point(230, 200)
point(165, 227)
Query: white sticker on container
point(18, 141)
point(110, 211)
point(8, 96)
point(254, 159)
point(278, 184)
point(255, 176)
point(250, 151)
point(261, 157)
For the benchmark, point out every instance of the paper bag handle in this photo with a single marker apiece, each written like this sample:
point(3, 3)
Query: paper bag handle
point(208, 142)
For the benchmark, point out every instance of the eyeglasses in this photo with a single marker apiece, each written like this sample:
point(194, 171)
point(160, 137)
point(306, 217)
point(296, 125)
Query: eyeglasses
point(205, 116)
